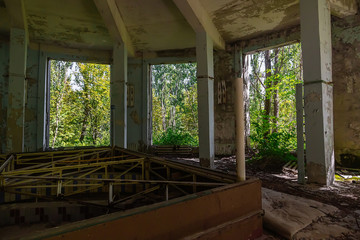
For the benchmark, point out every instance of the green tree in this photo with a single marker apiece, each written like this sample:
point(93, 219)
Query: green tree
point(174, 94)
point(273, 77)
point(79, 104)
point(59, 93)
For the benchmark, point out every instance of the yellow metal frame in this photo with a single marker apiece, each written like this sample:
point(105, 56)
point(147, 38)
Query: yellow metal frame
point(71, 172)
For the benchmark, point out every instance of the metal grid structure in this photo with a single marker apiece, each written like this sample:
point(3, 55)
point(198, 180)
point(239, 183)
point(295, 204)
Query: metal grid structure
point(73, 173)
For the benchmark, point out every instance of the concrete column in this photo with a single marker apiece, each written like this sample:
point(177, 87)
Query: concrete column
point(43, 102)
point(317, 58)
point(118, 91)
point(17, 91)
point(205, 80)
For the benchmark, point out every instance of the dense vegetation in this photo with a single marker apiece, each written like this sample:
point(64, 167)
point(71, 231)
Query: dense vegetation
point(79, 104)
point(174, 113)
point(273, 75)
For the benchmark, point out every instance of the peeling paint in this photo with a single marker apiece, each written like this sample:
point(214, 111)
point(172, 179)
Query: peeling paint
point(237, 20)
point(224, 113)
point(346, 78)
point(4, 68)
point(135, 117)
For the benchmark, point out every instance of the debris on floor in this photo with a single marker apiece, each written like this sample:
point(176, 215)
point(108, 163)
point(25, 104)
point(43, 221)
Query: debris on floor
point(287, 214)
point(343, 195)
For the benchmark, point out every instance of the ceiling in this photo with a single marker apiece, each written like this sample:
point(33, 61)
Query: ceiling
point(151, 24)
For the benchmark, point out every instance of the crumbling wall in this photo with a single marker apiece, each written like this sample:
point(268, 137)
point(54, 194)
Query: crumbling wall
point(30, 101)
point(224, 103)
point(32, 79)
point(136, 116)
point(4, 78)
point(346, 79)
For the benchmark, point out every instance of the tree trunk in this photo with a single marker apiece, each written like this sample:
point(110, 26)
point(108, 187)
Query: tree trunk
point(163, 112)
point(57, 114)
point(275, 94)
point(84, 126)
point(246, 72)
point(267, 101)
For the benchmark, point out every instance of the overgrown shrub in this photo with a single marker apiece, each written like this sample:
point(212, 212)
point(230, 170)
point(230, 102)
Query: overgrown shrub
point(175, 136)
point(271, 144)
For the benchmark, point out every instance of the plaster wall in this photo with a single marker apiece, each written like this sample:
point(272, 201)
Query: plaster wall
point(224, 110)
point(32, 79)
point(31, 97)
point(4, 72)
point(346, 79)
point(137, 118)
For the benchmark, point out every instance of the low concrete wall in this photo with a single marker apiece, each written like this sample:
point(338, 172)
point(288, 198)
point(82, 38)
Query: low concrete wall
point(53, 213)
point(229, 212)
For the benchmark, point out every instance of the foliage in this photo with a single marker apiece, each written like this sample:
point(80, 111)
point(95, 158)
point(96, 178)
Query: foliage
point(274, 134)
point(175, 136)
point(174, 94)
point(277, 145)
point(79, 104)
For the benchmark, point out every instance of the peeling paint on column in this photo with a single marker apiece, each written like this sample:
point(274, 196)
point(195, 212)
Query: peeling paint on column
point(224, 113)
point(135, 117)
point(30, 127)
point(16, 88)
point(4, 72)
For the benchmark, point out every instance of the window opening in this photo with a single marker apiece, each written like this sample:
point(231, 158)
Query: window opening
point(174, 104)
point(272, 76)
point(79, 104)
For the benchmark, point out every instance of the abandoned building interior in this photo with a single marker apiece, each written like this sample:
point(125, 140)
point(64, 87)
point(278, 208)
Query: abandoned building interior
point(124, 191)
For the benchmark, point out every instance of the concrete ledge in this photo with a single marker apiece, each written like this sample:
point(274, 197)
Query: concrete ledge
point(177, 218)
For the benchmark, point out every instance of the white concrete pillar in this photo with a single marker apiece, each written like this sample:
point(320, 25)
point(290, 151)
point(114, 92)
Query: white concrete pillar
point(118, 92)
point(16, 90)
point(317, 58)
point(43, 102)
point(205, 80)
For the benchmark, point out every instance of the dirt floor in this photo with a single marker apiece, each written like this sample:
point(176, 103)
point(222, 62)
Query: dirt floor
point(345, 195)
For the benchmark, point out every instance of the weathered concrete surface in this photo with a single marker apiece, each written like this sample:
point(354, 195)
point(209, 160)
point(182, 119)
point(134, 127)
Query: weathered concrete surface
point(4, 73)
point(343, 8)
point(74, 24)
point(212, 214)
point(31, 106)
point(318, 91)
point(118, 85)
point(346, 77)
point(205, 82)
point(16, 91)
point(134, 114)
point(237, 20)
point(224, 111)
point(78, 24)
point(200, 21)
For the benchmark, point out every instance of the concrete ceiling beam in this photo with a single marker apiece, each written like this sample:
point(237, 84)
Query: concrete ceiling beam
point(110, 13)
point(199, 20)
point(16, 11)
point(343, 8)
